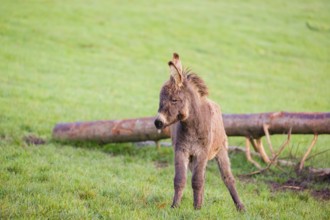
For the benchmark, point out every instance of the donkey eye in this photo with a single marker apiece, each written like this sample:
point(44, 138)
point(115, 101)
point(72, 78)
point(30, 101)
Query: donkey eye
point(174, 101)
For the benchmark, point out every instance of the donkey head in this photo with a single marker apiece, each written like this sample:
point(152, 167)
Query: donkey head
point(173, 103)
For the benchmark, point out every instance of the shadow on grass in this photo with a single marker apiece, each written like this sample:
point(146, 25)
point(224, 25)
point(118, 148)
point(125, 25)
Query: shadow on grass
point(277, 180)
point(163, 155)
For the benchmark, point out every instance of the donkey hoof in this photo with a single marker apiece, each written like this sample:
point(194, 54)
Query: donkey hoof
point(173, 206)
point(240, 208)
point(197, 207)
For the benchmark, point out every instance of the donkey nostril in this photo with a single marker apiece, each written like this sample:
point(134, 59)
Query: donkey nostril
point(159, 124)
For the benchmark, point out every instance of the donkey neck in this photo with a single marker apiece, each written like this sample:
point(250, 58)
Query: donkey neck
point(198, 119)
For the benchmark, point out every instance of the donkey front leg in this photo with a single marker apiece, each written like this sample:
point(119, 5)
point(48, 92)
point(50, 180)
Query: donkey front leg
point(198, 178)
point(228, 178)
point(181, 164)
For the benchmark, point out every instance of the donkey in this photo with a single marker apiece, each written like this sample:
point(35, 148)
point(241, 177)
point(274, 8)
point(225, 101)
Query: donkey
point(197, 132)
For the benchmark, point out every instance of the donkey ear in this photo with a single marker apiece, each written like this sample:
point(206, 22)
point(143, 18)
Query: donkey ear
point(176, 69)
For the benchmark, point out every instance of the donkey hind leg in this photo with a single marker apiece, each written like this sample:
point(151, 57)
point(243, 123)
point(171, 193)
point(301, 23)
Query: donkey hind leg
point(198, 179)
point(228, 178)
point(180, 178)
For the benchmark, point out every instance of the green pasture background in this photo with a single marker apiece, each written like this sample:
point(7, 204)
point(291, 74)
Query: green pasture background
point(66, 61)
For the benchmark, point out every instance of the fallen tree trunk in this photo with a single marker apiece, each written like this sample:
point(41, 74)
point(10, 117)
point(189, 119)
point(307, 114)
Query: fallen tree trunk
point(142, 129)
point(251, 125)
point(112, 131)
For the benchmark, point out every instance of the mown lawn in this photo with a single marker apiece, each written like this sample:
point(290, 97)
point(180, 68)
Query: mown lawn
point(66, 61)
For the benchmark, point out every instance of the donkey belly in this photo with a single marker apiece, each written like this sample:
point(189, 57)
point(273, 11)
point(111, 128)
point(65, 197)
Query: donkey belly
point(218, 134)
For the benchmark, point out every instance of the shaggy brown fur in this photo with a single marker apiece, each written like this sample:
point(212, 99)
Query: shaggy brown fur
point(197, 82)
point(198, 134)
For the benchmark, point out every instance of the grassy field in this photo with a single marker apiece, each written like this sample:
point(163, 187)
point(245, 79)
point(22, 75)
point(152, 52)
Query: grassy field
point(66, 61)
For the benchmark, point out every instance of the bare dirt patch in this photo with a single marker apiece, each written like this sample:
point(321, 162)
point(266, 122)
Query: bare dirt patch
point(301, 185)
point(161, 164)
point(291, 184)
point(323, 194)
point(33, 140)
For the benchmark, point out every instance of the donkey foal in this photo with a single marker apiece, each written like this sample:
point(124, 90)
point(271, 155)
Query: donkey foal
point(197, 132)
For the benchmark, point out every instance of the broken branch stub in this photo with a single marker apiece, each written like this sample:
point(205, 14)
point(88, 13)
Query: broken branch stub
point(143, 129)
point(301, 164)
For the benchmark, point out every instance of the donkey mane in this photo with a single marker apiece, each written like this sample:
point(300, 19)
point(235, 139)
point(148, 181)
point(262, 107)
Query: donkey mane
point(196, 81)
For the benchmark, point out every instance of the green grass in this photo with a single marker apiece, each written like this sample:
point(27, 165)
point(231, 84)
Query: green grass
point(66, 61)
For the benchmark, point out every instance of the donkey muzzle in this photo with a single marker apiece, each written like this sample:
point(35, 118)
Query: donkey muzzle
point(160, 121)
point(159, 124)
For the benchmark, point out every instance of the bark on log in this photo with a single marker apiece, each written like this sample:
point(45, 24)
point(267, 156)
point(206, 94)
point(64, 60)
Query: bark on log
point(142, 129)
point(113, 131)
point(251, 125)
